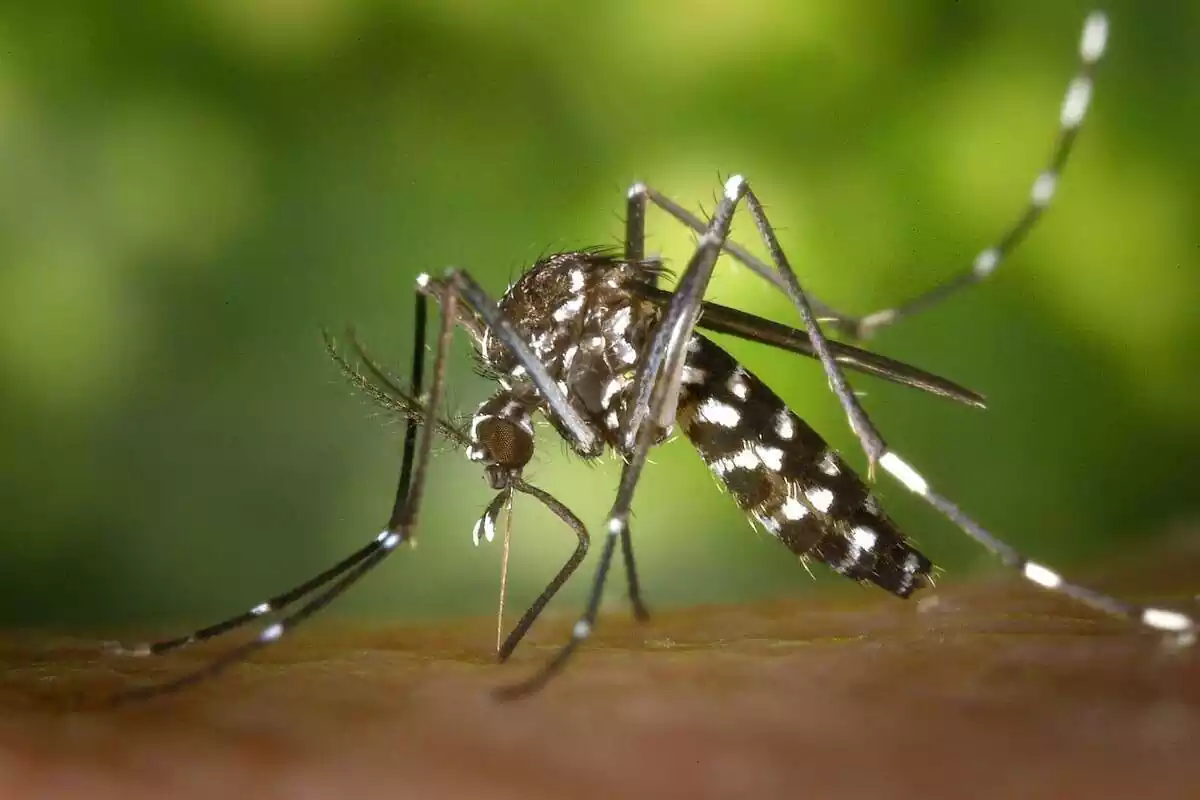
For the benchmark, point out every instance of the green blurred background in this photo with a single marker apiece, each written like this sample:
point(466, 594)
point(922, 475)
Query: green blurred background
point(191, 190)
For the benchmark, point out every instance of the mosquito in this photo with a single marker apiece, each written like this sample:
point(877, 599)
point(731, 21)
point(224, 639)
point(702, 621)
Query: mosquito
point(591, 342)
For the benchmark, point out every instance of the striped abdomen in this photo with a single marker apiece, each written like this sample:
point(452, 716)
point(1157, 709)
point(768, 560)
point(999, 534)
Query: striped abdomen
point(783, 474)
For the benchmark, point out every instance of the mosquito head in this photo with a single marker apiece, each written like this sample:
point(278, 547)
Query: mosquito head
point(502, 436)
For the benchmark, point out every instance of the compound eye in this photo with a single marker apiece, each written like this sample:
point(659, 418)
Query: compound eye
point(507, 444)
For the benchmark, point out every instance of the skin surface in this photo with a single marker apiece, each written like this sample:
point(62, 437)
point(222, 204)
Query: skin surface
point(992, 690)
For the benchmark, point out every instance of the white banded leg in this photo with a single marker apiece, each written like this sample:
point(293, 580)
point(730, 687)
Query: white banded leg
point(1180, 626)
point(279, 602)
point(403, 521)
point(284, 600)
point(1092, 44)
point(1076, 101)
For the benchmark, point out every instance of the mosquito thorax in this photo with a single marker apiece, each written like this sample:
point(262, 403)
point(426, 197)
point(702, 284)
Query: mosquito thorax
point(582, 314)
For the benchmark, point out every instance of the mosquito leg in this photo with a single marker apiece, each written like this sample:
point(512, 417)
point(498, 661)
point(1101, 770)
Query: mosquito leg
point(1165, 620)
point(635, 223)
point(1074, 108)
point(1159, 619)
point(417, 377)
point(276, 603)
point(872, 443)
point(414, 468)
point(1181, 626)
point(281, 601)
point(635, 250)
point(739, 253)
point(568, 569)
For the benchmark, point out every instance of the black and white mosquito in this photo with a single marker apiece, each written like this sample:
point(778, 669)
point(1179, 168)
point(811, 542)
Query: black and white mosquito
point(590, 341)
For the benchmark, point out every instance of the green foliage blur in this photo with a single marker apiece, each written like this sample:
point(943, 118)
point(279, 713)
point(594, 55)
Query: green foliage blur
point(189, 191)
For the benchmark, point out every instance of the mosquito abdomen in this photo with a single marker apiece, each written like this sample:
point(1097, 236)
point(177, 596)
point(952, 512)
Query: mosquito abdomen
point(782, 473)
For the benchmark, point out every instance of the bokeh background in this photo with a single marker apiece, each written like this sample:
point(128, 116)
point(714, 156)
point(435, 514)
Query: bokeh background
point(190, 191)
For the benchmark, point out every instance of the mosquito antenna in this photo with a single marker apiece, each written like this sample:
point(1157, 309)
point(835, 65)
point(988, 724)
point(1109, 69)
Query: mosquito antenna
point(385, 390)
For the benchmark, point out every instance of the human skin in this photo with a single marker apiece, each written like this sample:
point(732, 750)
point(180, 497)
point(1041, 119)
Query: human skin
point(992, 690)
